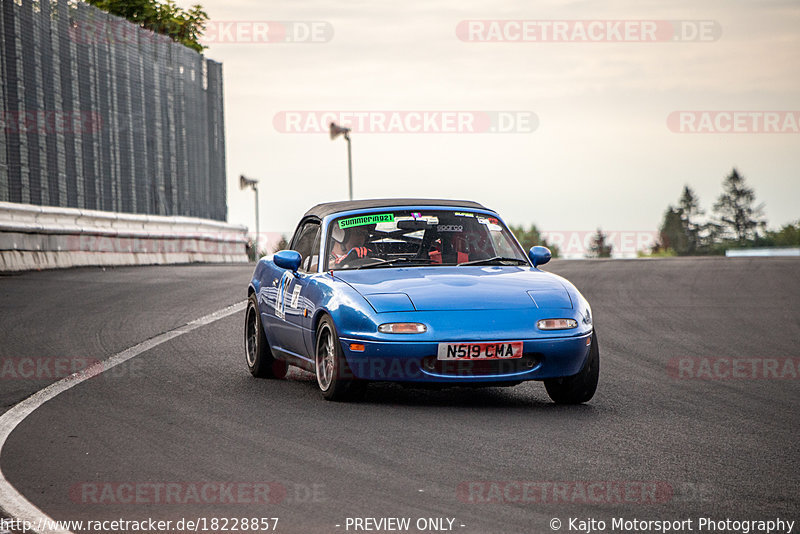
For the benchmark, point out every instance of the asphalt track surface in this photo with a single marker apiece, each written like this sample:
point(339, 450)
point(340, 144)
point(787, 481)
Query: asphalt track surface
point(188, 412)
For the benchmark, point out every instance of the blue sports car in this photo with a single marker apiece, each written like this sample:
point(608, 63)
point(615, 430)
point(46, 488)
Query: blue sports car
point(434, 292)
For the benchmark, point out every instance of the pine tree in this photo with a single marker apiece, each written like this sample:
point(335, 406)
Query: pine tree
point(672, 235)
point(599, 248)
point(689, 213)
point(737, 214)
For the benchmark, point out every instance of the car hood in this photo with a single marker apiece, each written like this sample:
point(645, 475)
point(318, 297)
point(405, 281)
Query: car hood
point(457, 288)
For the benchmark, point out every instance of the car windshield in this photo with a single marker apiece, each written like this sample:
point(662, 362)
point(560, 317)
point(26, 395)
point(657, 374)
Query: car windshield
point(418, 237)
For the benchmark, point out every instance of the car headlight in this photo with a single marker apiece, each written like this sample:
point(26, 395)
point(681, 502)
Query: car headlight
point(556, 324)
point(402, 328)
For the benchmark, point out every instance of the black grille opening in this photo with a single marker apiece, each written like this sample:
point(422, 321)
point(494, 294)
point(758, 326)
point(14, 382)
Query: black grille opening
point(481, 367)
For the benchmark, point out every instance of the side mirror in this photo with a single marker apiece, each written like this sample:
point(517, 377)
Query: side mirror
point(539, 255)
point(287, 259)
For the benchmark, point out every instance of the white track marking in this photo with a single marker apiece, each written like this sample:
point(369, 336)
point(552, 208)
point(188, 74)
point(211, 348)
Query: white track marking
point(12, 502)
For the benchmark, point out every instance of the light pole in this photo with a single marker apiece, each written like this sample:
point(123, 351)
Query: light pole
point(336, 131)
point(244, 183)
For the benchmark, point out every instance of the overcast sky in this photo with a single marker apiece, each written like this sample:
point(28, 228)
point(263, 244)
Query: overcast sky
point(600, 153)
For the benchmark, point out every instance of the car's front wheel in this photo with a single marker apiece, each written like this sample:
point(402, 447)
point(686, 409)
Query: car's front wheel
point(260, 361)
point(334, 377)
point(580, 387)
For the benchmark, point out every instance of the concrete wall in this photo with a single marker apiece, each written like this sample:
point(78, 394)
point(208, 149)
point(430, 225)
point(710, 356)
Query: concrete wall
point(41, 237)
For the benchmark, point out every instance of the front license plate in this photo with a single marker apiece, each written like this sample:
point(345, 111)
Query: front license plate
point(497, 350)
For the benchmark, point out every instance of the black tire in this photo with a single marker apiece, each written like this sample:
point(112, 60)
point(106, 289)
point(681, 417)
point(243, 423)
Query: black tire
point(334, 377)
point(578, 388)
point(258, 355)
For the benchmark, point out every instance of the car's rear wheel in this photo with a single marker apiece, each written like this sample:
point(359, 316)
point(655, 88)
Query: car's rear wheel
point(334, 377)
point(260, 361)
point(580, 387)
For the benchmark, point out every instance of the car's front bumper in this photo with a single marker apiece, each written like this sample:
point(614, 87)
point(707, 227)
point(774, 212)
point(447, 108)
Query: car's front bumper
point(416, 361)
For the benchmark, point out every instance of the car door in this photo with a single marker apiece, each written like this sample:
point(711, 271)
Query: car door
point(290, 305)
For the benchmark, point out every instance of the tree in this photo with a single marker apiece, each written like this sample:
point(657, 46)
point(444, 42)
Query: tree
point(680, 230)
point(283, 244)
point(184, 26)
point(671, 235)
point(737, 214)
point(689, 213)
point(787, 236)
point(532, 237)
point(599, 248)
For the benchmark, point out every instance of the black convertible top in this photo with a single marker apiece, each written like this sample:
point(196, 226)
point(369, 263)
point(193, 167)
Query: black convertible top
point(329, 208)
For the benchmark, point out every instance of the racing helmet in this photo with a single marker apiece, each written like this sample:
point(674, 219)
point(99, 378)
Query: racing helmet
point(337, 234)
point(341, 235)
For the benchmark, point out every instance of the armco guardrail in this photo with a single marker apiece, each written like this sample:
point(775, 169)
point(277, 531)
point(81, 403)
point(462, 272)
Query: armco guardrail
point(41, 237)
point(771, 252)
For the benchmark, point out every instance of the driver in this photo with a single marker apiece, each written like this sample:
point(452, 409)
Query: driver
point(349, 244)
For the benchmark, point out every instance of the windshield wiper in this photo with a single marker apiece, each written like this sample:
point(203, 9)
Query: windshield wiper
point(423, 261)
point(495, 259)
